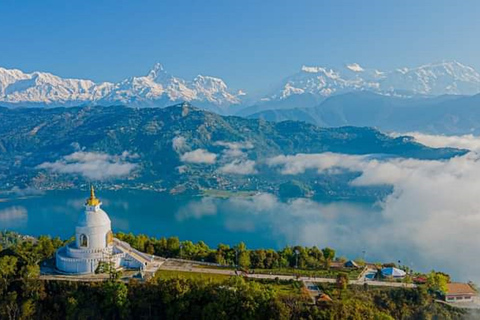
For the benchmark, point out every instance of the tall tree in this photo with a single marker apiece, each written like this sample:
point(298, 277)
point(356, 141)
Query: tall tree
point(328, 256)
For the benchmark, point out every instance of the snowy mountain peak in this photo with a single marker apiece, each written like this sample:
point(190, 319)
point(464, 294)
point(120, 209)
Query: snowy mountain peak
point(156, 70)
point(210, 82)
point(451, 68)
point(355, 67)
point(446, 77)
point(403, 70)
point(160, 88)
point(312, 69)
point(330, 73)
point(157, 88)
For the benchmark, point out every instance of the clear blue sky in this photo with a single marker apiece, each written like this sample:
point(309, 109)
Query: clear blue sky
point(250, 44)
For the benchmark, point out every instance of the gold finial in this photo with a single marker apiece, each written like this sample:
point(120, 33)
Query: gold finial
point(92, 201)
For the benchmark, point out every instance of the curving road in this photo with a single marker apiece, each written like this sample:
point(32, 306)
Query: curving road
point(191, 267)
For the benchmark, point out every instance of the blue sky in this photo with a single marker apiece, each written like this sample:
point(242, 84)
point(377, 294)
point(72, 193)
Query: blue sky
point(250, 44)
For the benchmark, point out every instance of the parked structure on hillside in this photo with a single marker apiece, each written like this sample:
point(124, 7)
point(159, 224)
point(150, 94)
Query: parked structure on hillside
point(351, 264)
point(392, 272)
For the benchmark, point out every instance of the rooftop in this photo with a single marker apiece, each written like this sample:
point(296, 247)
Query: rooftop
point(460, 288)
point(324, 298)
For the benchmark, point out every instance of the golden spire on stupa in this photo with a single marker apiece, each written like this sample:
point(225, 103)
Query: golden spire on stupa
point(92, 201)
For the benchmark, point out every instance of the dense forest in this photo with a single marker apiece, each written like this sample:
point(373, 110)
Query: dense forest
point(172, 247)
point(23, 295)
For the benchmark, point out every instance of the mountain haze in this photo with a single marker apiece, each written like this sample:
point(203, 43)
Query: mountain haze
point(440, 115)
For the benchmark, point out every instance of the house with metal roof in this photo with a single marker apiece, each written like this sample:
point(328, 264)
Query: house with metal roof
point(351, 264)
point(392, 272)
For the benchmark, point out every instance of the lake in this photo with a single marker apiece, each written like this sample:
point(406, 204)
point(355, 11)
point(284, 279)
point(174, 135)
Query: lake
point(189, 218)
point(261, 221)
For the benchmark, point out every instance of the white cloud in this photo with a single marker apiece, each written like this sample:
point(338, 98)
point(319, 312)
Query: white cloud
point(197, 209)
point(179, 144)
point(13, 216)
point(86, 156)
point(235, 145)
point(234, 150)
point(259, 203)
point(199, 156)
point(76, 146)
point(93, 165)
point(431, 220)
point(181, 169)
point(433, 211)
point(468, 141)
point(299, 163)
point(239, 167)
point(27, 191)
point(299, 221)
point(234, 160)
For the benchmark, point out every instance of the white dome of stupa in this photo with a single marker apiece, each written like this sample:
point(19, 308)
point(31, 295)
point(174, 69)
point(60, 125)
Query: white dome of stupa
point(94, 228)
point(93, 218)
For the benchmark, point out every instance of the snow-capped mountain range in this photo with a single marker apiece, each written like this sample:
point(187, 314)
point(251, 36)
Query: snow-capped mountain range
point(449, 77)
point(159, 88)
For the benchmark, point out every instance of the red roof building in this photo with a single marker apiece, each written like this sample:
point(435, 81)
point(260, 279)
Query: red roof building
point(459, 292)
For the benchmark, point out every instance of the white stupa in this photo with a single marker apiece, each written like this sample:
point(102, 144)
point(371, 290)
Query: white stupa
point(94, 243)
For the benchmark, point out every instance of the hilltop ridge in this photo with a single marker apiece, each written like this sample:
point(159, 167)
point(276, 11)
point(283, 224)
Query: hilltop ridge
point(176, 148)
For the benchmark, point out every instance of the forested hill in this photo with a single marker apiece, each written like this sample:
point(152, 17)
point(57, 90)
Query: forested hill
point(178, 145)
point(192, 295)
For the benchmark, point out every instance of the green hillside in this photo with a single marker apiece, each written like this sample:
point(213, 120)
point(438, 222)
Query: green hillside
point(32, 137)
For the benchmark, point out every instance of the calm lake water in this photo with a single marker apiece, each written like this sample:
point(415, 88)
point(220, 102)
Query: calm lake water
point(154, 214)
point(261, 221)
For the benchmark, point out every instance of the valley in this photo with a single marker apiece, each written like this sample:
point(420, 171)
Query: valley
point(185, 150)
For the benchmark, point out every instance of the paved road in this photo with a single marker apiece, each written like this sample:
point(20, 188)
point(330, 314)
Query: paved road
point(190, 267)
point(79, 278)
point(158, 263)
point(151, 263)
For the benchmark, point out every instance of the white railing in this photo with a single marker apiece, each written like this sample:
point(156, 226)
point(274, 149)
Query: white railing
point(126, 246)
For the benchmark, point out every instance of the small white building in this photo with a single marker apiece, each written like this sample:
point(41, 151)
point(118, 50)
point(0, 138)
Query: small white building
point(94, 243)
